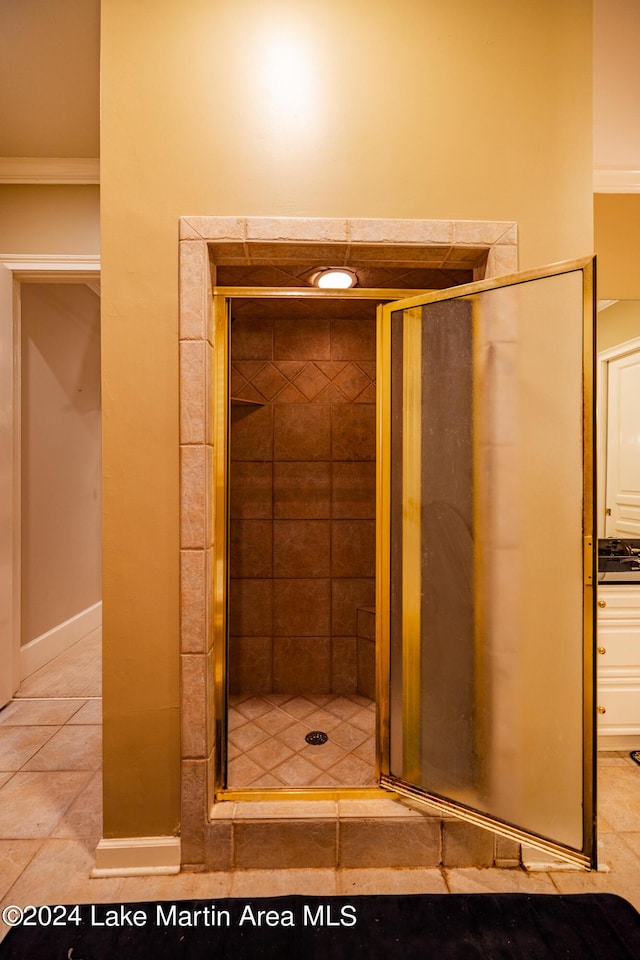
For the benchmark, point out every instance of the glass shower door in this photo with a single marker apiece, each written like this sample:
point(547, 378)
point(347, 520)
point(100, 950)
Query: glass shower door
point(485, 554)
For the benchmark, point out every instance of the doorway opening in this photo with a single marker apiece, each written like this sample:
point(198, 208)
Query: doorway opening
point(301, 482)
point(302, 469)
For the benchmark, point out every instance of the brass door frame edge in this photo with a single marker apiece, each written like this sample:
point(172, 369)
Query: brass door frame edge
point(302, 793)
point(312, 293)
point(220, 297)
point(493, 283)
point(383, 500)
point(486, 822)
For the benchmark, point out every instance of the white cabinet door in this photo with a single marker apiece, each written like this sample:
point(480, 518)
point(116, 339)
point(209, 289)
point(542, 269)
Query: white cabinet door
point(623, 447)
point(618, 651)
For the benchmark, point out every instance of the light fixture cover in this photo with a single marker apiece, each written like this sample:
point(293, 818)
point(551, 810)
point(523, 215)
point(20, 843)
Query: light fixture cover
point(335, 278)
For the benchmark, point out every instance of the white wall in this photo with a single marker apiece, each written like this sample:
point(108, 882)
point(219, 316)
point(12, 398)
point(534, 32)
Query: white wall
point(61, 462)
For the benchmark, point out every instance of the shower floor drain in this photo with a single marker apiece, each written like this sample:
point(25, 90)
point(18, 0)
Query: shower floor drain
point(316, 737)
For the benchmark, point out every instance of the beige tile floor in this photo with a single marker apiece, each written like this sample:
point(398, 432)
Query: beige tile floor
point(50, 818)
point(267, 746)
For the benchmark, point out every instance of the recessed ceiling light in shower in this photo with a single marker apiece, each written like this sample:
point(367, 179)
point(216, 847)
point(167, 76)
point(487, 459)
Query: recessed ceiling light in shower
point(335, 278)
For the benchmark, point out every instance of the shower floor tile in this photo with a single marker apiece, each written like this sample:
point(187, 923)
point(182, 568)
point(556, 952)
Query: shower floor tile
point(267, 746)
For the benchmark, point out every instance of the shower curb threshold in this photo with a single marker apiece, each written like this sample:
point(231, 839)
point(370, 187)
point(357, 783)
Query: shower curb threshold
point(384, 833)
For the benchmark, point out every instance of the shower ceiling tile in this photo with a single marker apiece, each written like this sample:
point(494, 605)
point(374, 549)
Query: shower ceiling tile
point(399, 255)
point(473, 256)
point(315, 253)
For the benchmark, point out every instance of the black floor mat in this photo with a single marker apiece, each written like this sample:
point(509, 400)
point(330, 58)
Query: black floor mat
point(430, 927)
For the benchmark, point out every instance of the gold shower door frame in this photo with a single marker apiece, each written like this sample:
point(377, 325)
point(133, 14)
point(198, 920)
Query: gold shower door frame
point(407, 764)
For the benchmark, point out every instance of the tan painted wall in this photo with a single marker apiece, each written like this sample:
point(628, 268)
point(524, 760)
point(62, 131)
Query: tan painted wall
point(49, 51)
point(49, 219)
point(618, 323)
point(408, 109)
point(61, 484)
point(617, 244)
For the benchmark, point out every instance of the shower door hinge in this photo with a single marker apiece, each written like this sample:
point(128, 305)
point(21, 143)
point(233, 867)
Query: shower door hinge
point(588, 561)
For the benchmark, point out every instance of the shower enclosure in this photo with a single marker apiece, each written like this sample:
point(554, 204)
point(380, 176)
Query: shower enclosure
point(480, 541)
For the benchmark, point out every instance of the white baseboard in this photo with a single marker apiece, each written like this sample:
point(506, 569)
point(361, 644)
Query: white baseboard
point(44, 648)
point(137, 856)
point(619, 741)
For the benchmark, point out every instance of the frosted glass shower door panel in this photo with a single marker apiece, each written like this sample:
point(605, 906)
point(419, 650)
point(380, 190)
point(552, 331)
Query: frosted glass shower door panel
point(490, 479)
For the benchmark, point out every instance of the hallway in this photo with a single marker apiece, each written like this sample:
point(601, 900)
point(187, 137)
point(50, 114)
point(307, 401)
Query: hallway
point(50, 817)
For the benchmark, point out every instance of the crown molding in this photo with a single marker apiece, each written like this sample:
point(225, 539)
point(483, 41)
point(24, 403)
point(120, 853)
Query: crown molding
point(83, 170)
point(616, 180)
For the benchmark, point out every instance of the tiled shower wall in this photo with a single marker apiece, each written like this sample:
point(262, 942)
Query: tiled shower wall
point(302, 501)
